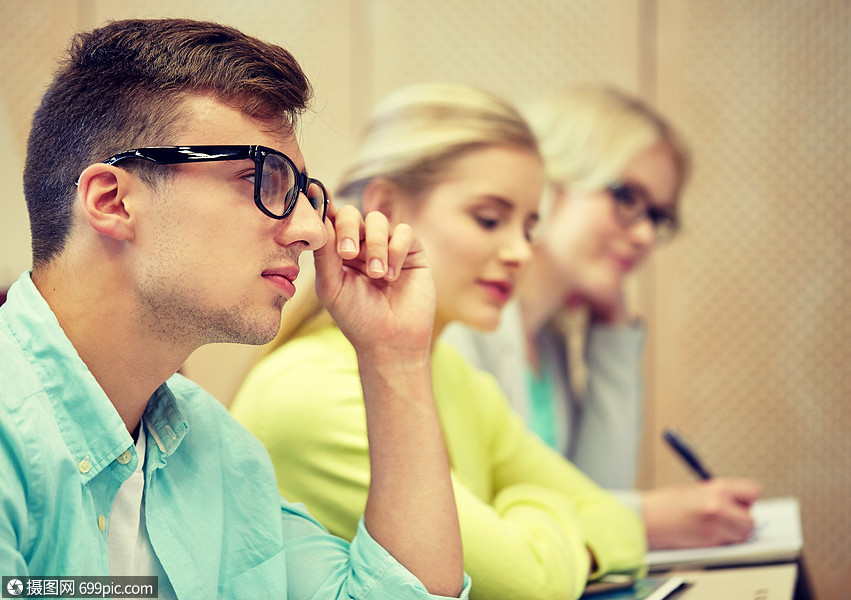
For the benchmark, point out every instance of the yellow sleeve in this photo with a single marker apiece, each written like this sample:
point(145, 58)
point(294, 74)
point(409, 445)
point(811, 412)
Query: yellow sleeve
point(613, 531)
point(526, 514)
point(527, 535)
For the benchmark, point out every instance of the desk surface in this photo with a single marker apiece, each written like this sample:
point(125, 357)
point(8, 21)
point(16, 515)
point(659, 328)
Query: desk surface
point(772, 582)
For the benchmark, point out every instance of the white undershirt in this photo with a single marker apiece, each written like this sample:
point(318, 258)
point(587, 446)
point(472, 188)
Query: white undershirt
point(130, 551)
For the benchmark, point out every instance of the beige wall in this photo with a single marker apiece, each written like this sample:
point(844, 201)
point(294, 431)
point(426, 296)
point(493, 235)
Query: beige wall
point(747, 308)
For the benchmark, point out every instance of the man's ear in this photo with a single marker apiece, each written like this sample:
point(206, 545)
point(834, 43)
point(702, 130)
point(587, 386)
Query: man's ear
point(101, 193)
point(383, 195)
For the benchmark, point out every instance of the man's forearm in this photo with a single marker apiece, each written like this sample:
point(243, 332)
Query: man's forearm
point(411, 508)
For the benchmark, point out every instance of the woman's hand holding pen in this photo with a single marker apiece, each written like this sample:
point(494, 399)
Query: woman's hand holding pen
point(707, 513)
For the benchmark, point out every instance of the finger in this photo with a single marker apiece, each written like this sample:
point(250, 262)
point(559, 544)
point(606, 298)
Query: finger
point(327, 262)
point(745, 491)
point(737, 525)
point(349, 225)
point(376, 240)
point(402, 242)
point(740, 490)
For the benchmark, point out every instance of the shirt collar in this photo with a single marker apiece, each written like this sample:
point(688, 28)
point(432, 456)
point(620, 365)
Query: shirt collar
point(91, 427)
point(164, 420)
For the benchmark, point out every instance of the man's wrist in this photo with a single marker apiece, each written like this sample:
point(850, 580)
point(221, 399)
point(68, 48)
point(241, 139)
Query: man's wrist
point(395, 373)
point(387, 357)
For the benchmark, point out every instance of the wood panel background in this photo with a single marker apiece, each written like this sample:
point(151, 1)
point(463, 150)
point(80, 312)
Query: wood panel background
point(748, 350)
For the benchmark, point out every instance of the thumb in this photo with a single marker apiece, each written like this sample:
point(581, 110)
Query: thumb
point(327, 262)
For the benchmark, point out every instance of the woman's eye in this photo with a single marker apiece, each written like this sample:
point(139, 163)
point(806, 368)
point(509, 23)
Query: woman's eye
point(626, 197)
point(487, 222)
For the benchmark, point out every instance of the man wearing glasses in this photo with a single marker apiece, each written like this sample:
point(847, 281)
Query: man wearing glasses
point(169, 205)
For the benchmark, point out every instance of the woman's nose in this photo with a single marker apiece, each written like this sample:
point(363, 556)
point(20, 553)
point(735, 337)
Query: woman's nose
point(517, 249)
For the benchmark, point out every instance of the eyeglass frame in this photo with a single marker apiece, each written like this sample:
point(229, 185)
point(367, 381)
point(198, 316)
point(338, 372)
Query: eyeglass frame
point(173, 155)
point(665, 222)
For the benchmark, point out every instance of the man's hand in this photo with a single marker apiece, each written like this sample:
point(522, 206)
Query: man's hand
point(376, 283)
point(708, 513)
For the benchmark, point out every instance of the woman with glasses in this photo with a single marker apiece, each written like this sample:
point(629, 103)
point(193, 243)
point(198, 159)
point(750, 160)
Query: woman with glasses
point(568, 351)
point(463, 169)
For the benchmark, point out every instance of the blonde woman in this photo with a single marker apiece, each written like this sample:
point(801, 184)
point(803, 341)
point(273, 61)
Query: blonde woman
point(463, 169)
point(616, 169)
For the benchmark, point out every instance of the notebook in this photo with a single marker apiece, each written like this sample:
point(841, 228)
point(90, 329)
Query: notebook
point(777, 538)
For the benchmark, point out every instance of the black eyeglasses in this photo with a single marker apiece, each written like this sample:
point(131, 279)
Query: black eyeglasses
point(277, 181)
point(632, 204)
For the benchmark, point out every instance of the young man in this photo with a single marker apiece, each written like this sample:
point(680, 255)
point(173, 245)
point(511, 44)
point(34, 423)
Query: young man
point(168, 206)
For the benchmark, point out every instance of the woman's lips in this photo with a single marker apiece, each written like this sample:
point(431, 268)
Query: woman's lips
point(500, 291)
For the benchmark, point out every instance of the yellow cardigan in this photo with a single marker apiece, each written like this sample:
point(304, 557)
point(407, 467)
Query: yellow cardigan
point(526, 513)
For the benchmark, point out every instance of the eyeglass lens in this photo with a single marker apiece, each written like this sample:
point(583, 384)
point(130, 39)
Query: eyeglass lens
point(280, 187)
point(632, 205)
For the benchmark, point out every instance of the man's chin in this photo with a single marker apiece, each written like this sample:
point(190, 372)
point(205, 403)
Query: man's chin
point(250, 335)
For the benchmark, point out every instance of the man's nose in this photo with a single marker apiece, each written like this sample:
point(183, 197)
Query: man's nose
point(304, 224)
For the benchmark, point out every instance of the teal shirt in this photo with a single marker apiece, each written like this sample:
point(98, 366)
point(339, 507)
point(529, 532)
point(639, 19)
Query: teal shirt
point(217, 524)
point(542, 418)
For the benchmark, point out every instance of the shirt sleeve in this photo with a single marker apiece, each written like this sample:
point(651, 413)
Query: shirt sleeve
point(320, 565)
point(13, 509)
point(533, 537)
point(608, 435)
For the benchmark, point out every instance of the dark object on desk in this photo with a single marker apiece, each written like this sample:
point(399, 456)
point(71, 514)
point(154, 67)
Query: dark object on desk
point(649, 588)
point(608, 583)
point(685, 452)
point(803, 584)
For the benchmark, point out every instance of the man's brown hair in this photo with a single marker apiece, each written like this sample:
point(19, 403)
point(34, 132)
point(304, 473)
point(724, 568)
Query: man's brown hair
point(121, 87)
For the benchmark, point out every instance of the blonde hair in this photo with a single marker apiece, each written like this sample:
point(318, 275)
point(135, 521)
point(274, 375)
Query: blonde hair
point(588, 134)
point(412, 139)
point(418, 131)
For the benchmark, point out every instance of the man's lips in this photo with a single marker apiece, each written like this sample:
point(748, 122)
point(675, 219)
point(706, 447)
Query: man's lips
point(498, 290)
point(282, 279)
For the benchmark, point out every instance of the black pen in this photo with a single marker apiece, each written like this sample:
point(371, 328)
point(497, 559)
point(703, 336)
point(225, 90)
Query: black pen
point(686, 453)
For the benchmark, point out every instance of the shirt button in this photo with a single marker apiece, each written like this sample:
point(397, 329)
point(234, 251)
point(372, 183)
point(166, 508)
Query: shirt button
point(125, 457)
point(101, 522)
point(84, 465)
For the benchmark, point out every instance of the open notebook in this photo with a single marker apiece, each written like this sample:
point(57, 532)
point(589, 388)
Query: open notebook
point(777, 538)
